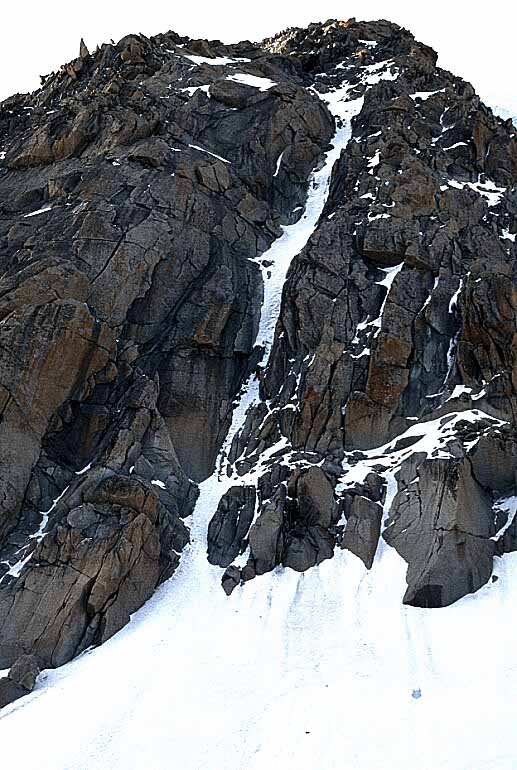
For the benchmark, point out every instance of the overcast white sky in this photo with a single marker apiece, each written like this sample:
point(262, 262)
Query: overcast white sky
point(474, 39)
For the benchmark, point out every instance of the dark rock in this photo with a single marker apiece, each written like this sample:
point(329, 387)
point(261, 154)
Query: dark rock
point(362, 530)
point(231, 579)
point(230, 524)
point(9, 691)
point(315, 497)
point(83, 50)
point(390, 318)
point(25, 672)
point(129, 302)
point(442, 524)
point(265, 536)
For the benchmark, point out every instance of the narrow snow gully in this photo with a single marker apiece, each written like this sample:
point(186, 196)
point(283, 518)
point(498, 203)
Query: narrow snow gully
point(323, 669)
point(274, 263)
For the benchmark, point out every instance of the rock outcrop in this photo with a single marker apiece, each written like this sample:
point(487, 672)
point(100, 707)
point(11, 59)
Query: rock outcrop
point(138, 187)
point(140, 190)
point(20, 680)
point(399, 311)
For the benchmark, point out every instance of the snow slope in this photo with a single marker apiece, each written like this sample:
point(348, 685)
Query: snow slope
point(305, 671)
point(320, 670)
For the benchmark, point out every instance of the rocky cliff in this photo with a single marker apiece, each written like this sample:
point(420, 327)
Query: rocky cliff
point(286, 267)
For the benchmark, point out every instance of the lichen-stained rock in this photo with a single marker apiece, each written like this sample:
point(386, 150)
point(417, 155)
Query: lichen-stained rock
point(400, 308)
point(172, 193)
point(105, 571)
point(105, 556)
point(442, 523)
point(398, 311)
point(35, 285)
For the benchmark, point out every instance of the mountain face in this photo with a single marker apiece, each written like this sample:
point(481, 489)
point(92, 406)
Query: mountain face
point(282, 274)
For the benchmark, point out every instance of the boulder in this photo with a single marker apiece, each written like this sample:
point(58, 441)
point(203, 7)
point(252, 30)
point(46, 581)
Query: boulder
point(230, 524)
point(10, 691)
point(24, 672)
point(363, 529)
point(442, 523)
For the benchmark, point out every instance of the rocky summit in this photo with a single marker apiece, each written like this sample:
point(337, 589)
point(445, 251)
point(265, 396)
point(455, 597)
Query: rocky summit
point(271, 284)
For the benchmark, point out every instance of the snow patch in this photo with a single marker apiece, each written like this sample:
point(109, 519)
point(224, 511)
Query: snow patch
point(455, 296)
point(191, 90)
point(217, 61)
point(263, 84)
point(208, 152)
point(278, 163)
point(488, 189)
point(39, 211)
point(374, 162)
point(430, 440)
point(374, 73)
point(507, 505)
point(424, 95)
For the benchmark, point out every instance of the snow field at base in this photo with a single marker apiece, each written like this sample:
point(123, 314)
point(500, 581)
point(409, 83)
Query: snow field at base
point(293, 671)
point(309, 671)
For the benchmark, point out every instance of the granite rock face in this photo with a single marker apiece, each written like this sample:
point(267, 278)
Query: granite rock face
point(140, 190)
point(395, 343)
